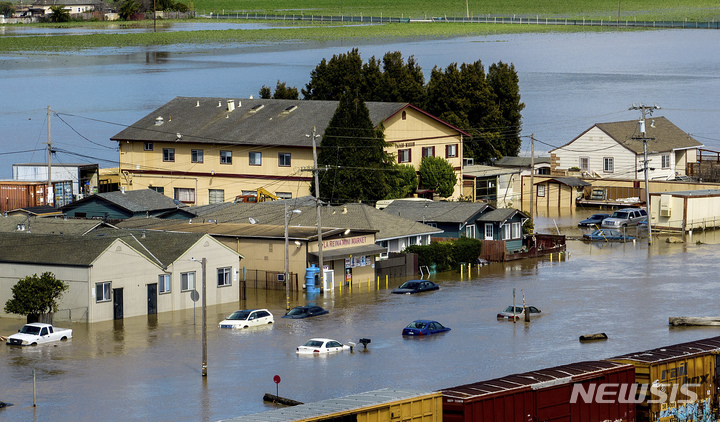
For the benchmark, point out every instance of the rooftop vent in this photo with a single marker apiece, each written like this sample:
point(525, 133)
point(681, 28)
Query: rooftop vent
point(197, 104)
point(231, 105)
point(257, 108)
point(290, 109)
point(159, 121)
point(219, 103)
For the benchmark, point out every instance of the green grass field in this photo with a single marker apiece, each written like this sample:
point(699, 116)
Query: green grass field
point(699, 10)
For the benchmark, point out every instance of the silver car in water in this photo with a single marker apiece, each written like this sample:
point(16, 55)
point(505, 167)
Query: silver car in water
point(624, 217)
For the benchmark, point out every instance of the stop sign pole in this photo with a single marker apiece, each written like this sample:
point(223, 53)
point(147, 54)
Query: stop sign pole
point(276, 378)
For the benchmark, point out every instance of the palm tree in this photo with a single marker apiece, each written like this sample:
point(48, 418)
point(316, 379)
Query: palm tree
point(59, 14)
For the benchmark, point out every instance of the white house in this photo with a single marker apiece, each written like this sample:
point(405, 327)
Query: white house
point(615, 151)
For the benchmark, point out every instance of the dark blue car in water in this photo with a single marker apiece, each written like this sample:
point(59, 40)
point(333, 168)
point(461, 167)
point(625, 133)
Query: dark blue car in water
point(424, 327)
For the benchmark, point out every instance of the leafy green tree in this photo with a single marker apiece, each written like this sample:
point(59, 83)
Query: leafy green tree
point(59, 14)
point(282, 92)
point(329, 79)
point(164, 4)
point(437, 174)
point(128, 8)
point(404, 181)
point(447, 255)
point(354, 152)
point(181, 7)
point(35, 296)
point(466, 249)
point(505, 84)
point(7, 9)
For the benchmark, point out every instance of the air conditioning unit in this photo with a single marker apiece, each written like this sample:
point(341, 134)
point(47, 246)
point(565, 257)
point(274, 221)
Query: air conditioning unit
point(665, 205)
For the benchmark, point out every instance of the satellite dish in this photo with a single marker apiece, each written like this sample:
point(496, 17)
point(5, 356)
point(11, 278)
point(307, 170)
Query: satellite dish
point(176, 202)
point(252, 220)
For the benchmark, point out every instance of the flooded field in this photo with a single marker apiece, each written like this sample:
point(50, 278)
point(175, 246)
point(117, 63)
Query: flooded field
point(150, 368)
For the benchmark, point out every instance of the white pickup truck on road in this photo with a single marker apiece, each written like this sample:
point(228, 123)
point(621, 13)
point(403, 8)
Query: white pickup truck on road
point(38, 333)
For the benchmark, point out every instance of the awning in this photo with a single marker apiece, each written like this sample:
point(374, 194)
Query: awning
point(343, 253)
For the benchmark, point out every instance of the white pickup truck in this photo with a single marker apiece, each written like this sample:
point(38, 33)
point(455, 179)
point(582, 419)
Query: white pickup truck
point(38, 333)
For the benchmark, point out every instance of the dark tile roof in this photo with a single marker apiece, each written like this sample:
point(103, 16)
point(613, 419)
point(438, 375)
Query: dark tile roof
point(165, 247)
point(135, 201)
point(501, 215)
point(436, 211)
point(39, 210)
point(49, 225)
point(252, 122)
point(243, 230)
point(568, 181)
point(352, 216)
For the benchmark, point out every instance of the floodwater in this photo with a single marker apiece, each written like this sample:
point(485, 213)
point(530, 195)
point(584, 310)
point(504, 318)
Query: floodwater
point(149, 368)
point(567, 81)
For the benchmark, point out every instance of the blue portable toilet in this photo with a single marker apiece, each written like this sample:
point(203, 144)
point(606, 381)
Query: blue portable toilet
point(311, 274)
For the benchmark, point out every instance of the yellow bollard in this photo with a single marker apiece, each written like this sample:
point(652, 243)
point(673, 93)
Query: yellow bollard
point(378, 282)
point(386, 281)
point(551, 257)
point(369, 279)
point(469, 270)
point(461, 272)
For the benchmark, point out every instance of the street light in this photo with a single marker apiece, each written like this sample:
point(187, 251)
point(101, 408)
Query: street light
point(203, 262)
point(287, 259)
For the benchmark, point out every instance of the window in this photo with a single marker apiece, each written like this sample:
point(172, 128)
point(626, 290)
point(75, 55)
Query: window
point(584, 163)
point(224, 276)
point(608, 165)
point(102, 292)
point(540, 190)
point(404, 156)
point(164, 283)
point(168, 154)
point(428, 152)
point(404, 115)
point(217, 196)
point(284, 159)
point(516, 230)
point(255, 158)
point(187, 281)
point(666, 161)
point(196, 155)
point(470, 231)
point(158, 189)
point(185, 195)
point(451, 151)
point(148, 146)
point(505, 232)
point(225, 157)
point(486, 189)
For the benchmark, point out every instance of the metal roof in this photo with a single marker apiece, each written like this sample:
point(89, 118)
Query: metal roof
point(690, 193)
point(568, 181)
point(337, 406)
point(533, 380)
point(674, 352)
point(436, 211)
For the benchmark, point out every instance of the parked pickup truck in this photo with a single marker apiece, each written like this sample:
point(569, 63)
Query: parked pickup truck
point(38, 333)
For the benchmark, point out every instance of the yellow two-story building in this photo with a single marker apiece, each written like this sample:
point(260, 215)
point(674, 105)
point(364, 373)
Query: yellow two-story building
point(207, 150)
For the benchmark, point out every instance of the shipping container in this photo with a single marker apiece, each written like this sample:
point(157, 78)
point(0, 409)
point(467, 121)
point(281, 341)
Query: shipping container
point(14, 195)
point(678, 382)
point(385, 405)
point(593, 391)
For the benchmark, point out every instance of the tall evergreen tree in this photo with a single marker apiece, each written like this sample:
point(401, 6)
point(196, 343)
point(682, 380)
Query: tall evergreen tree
point(354, 152)
point(504, 82)
point(329, 79)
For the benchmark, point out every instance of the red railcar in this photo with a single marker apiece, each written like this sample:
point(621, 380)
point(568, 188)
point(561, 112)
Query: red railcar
point(594, 391)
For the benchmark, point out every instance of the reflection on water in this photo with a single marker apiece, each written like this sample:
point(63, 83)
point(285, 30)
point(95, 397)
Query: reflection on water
point(154, 362)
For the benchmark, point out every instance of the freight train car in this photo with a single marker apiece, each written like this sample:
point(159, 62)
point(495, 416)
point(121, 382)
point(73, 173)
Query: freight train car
point(579, 392)
point(677, 383)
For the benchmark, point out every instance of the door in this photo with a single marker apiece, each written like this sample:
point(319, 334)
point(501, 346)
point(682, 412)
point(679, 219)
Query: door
point(152, 298)
point(489, 231)
point(117, 303)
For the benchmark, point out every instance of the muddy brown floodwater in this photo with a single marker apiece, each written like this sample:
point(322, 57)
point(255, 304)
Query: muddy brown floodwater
point(149, 368)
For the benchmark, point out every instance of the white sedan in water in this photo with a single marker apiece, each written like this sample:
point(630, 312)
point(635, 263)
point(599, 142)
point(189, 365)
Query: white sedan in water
point(317, 346)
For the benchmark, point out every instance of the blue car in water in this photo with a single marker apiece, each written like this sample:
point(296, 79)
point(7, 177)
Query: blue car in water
point(424, 327)
point(606, 235)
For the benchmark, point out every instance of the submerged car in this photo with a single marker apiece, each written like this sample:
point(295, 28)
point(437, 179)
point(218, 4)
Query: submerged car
point(424, 327)
point(248, 318)
point(623, 218)
point(519, 312)
point(316, 346)
point(593, 220)
point(416, 286)
point(299, 312)
point(607, 235)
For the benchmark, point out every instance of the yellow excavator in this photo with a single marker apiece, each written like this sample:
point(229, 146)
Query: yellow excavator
point(262, 195)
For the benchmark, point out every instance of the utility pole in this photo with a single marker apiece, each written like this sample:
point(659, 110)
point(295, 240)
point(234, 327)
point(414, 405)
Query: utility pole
point(532, 174)
point(641, 128)
point(50, 192)
point(317, 208)
point(204, 317)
